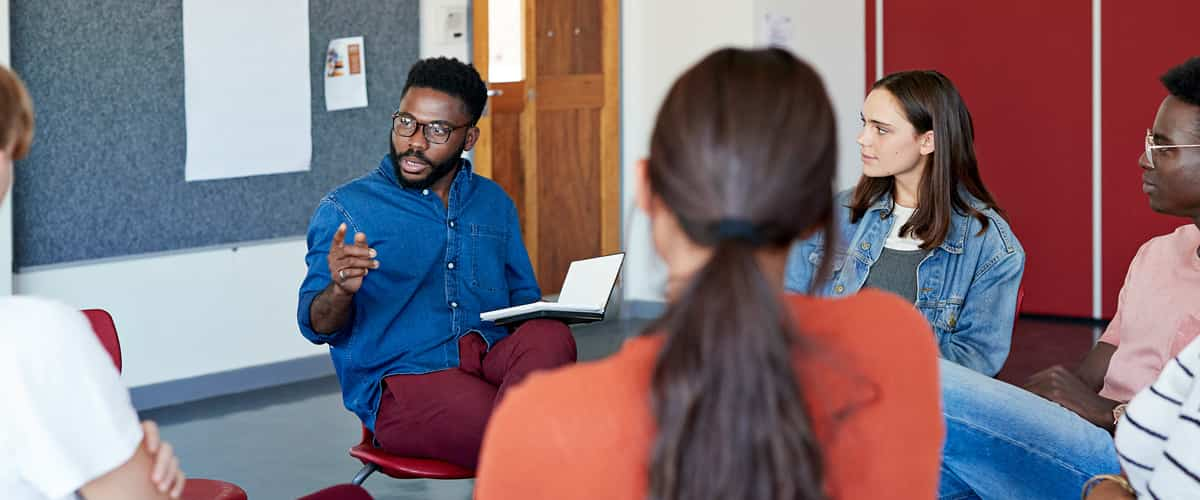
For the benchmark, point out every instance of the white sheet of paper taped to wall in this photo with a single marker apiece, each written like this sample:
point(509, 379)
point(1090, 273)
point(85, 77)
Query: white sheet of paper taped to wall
point(777, 31)
point(345, 74)
point(247, 88)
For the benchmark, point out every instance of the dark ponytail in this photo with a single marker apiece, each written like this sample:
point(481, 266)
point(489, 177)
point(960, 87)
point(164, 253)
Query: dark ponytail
point(743, 154)
point(731, 420)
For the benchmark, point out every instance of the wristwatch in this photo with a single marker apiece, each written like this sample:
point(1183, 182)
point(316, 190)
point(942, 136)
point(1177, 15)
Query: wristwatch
point(1118, 412)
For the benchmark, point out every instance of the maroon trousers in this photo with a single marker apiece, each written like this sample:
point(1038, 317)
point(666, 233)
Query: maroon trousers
point(442, 415)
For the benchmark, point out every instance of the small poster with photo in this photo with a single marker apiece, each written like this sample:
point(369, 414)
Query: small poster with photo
point(345, 74)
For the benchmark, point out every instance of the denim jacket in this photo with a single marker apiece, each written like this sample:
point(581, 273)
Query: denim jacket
point(966, 287)
point(439, 268)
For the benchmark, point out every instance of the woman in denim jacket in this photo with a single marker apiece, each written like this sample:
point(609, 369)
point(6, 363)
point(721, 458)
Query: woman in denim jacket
point(921, 224)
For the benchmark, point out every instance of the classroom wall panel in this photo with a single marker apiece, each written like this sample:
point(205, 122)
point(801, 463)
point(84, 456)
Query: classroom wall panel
point(1140, 41)
point(105, 177)
point(1024, 69)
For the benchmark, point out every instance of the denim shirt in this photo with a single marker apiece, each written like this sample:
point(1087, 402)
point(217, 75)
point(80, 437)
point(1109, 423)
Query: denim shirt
point(439, 268)
point(966, 287)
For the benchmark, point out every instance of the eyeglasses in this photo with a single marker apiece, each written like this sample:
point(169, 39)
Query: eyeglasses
point(1151, 147)
point(436, 132)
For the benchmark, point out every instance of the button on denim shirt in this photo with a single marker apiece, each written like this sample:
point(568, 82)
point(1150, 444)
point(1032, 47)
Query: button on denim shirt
point(439, 268)
point(966, 287)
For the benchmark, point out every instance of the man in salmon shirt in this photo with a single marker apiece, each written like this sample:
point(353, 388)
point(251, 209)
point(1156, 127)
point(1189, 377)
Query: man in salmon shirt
point(1004, 442)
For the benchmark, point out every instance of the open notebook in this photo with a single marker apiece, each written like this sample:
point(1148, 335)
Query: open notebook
point(583, 299)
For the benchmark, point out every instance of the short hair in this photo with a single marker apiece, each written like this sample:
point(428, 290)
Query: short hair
point(453, 77)
point(16, 114)
point(1183, 81)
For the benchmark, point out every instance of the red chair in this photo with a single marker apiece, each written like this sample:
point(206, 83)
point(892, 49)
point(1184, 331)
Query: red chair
point(211, 489)
point(193, 489)
point(106, 330)
point(375, 459)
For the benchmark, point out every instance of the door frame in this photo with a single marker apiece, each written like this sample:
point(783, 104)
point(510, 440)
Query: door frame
point(610, 121)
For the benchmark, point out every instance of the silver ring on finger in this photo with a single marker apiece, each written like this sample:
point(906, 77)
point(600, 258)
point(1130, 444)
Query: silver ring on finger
point(342, 274)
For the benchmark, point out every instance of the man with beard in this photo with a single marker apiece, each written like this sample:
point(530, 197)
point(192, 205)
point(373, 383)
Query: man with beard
point(402, 261)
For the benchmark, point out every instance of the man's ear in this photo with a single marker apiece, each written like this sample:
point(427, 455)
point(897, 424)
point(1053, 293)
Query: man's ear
point(927, 143)
point(472, 136)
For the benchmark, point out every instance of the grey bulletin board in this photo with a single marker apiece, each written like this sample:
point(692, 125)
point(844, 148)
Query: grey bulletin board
point(105, 177)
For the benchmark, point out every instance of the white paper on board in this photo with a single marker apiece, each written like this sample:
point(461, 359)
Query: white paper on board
point(247, 92)
point(345, 74)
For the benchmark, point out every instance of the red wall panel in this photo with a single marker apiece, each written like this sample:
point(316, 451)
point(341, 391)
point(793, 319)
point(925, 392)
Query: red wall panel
point(1139, 42)
point(1024, 69)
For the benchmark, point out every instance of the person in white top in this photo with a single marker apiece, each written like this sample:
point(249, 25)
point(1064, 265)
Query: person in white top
point(1156, 438)
point(68, 429)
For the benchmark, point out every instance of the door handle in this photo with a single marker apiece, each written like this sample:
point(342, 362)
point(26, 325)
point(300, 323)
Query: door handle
point(495, 92)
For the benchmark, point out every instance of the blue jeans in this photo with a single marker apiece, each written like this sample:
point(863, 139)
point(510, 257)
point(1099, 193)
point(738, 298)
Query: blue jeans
point(1005, 442)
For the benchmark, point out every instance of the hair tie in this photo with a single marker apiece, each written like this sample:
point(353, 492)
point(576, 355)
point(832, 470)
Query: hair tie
point(738, 230)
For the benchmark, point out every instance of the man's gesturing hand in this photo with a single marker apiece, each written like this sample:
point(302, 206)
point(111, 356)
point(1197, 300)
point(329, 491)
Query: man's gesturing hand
point(349, 264)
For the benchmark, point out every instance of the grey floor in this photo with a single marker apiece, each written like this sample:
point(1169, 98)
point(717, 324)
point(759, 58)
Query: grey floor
point(287, 441)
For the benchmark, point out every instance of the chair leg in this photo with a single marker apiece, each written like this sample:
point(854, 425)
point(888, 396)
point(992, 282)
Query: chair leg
point(367, 470)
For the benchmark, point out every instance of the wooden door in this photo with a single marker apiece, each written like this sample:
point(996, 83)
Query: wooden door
point(552, 141)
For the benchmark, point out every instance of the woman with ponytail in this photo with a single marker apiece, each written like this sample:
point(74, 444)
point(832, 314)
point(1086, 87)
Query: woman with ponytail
point(739, 391)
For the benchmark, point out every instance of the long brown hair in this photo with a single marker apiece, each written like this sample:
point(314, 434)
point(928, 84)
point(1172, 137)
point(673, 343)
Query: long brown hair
point(930, 102)
point(743, 154)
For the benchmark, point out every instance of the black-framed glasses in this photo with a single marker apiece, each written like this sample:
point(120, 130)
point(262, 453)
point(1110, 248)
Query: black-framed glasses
point(436, 132)
point(1151, 147)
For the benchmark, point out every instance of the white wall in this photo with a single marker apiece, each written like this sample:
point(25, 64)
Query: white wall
point(659, 40)
point(6, 234)
point(832, 37)
point(662, 38)
point(191, 313)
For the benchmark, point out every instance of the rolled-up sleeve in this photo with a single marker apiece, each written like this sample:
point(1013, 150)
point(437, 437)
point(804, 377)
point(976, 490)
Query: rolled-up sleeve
point(321, 229)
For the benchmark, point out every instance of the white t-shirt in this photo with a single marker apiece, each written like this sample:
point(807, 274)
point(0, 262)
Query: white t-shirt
point(67, 418)
point(900, 216)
